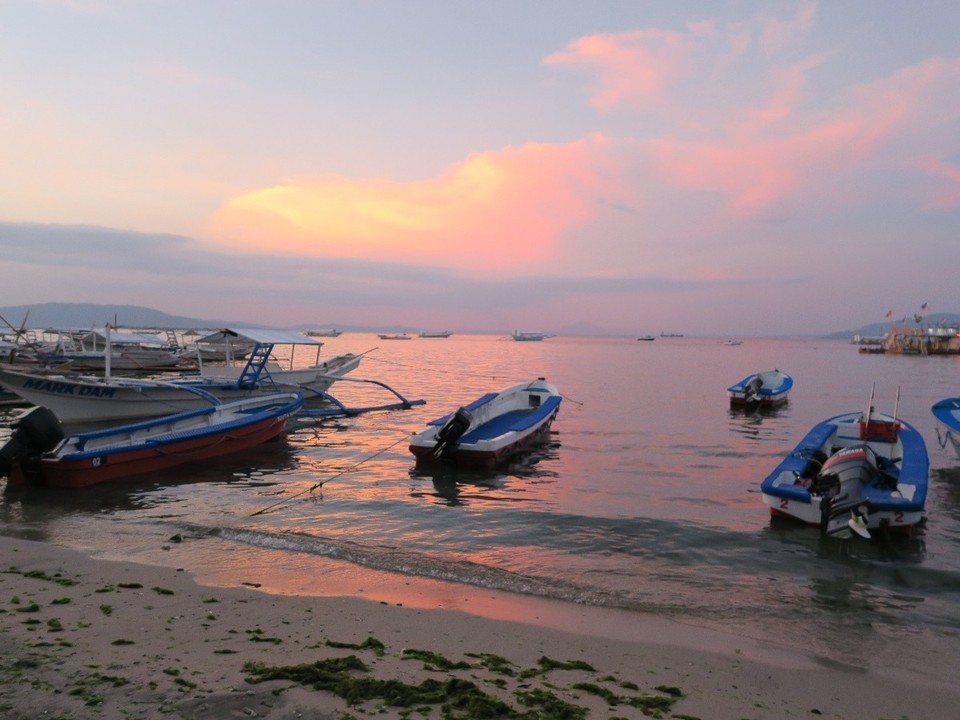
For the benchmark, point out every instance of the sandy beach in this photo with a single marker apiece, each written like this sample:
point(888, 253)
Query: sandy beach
point(88, 638)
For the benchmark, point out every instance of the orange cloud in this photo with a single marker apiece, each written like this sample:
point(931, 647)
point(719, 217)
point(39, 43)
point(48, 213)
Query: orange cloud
point(493, 210)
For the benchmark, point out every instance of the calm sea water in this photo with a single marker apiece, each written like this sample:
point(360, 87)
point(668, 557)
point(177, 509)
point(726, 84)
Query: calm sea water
point(645, 500)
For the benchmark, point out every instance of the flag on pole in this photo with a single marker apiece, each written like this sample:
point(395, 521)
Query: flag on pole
point(889, 314)
point(923, 307)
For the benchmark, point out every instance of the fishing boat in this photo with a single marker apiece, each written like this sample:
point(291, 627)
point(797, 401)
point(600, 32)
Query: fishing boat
point(81, 398)
point(768, 389)
point(947, 414)
point(492, 428)
point(646, 338)
point(853, 473)
point(40, 452)
point(527, 335)
point(394, 336)
point(435, 333)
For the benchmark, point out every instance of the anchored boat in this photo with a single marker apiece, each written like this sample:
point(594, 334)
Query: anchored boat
point(492, 428)
point(40, 452)
point(853, 473)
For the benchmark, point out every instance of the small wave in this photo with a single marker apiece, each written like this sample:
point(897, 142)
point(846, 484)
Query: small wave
point(423, 565)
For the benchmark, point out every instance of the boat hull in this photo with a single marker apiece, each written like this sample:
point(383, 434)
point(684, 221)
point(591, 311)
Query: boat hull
point(895, 494)
point(501, 425)
point(132, 451)
point(947, 414)
point(768, 389)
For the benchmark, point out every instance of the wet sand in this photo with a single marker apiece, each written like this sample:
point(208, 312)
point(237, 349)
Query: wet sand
point(89, 638)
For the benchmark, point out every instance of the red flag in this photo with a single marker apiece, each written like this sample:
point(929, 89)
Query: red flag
point(923, 307)
point(889, 314)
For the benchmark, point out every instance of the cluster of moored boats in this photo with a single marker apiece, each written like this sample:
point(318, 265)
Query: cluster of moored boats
point(851, 473)
point(84, 429)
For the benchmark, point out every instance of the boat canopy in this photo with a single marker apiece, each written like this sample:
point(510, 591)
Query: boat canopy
point(120, 338)
point(263, 336)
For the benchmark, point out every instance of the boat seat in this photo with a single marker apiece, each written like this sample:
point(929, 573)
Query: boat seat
point(471, 407)
point(511, 421)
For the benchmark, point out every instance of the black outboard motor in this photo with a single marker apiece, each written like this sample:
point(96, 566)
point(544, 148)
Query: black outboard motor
point(35, 432)
point(751, 391)
point(452, 430)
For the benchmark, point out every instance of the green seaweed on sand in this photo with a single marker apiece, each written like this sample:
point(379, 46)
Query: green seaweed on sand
point(457, 698)
point(545, 665)
point(650, 704)
point(548, 705)
point(371, 643)
point(494, 663)
point(432, 660)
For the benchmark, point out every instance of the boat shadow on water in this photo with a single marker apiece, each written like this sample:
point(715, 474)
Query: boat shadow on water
point(884, 546)
point(456, 485)
point(254, 466)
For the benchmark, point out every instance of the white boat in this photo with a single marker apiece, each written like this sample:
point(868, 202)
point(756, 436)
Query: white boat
point(107, 350)
point(853, 473)
point(77, 398)
point(40, 452)
point(528, 335)
point(733, 343)
point(435, 333)
point(947, 414)
point(492, 428)
point(768, 389)
point(394, 336)
point(312, 380)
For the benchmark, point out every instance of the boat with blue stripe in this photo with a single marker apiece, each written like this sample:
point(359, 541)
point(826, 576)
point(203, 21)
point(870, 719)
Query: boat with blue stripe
point(491, 429)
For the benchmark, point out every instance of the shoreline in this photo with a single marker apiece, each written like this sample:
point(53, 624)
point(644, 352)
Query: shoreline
point(91, 638)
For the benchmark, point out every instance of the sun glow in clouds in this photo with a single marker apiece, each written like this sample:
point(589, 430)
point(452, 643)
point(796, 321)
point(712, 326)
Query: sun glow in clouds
point(491, 211)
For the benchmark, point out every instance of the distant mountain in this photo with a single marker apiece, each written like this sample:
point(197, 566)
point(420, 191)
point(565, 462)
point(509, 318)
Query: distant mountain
point(879, 329)
point(89, 315)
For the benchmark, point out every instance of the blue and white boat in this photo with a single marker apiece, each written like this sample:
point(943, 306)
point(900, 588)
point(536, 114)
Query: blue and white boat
point(492, 428)
point(947, 413)
point(855, 472)
point(768, 389)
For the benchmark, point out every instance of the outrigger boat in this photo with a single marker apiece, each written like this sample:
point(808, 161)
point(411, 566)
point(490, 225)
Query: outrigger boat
point(79, 399)
point(768, 389)
point(39, 452)
point(853, 473)
point(492, 428)
point(947, 413)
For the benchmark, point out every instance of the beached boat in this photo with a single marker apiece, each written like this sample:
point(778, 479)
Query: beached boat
point(947, 414)
point(527, 335)
point(492, 428)
point(855, 472)
point(40, 452)
point(77, 398)
point(768, 389)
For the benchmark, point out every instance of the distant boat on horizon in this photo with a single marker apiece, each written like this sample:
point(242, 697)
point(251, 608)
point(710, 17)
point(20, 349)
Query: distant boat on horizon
point(670, 334)
point(528, 335)
point(435, 333)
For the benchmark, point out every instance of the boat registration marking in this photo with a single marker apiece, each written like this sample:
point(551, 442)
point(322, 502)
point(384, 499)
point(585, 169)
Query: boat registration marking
point(61, 388)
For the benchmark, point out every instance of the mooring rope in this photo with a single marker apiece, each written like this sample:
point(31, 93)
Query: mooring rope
point(332, 477)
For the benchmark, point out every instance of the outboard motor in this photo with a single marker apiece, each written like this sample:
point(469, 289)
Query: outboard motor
point(751, 391)
point(840, 486)
point(452, 430)
point(35, 432)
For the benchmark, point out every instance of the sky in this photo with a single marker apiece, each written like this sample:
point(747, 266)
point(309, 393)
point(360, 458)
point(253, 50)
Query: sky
point(716, 168)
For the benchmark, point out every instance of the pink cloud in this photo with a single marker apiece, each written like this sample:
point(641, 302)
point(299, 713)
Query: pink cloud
point(491, 211)
point(631, 67)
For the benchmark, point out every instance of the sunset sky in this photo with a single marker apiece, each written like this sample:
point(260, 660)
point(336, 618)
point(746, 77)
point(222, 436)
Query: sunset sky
point(713, 168)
